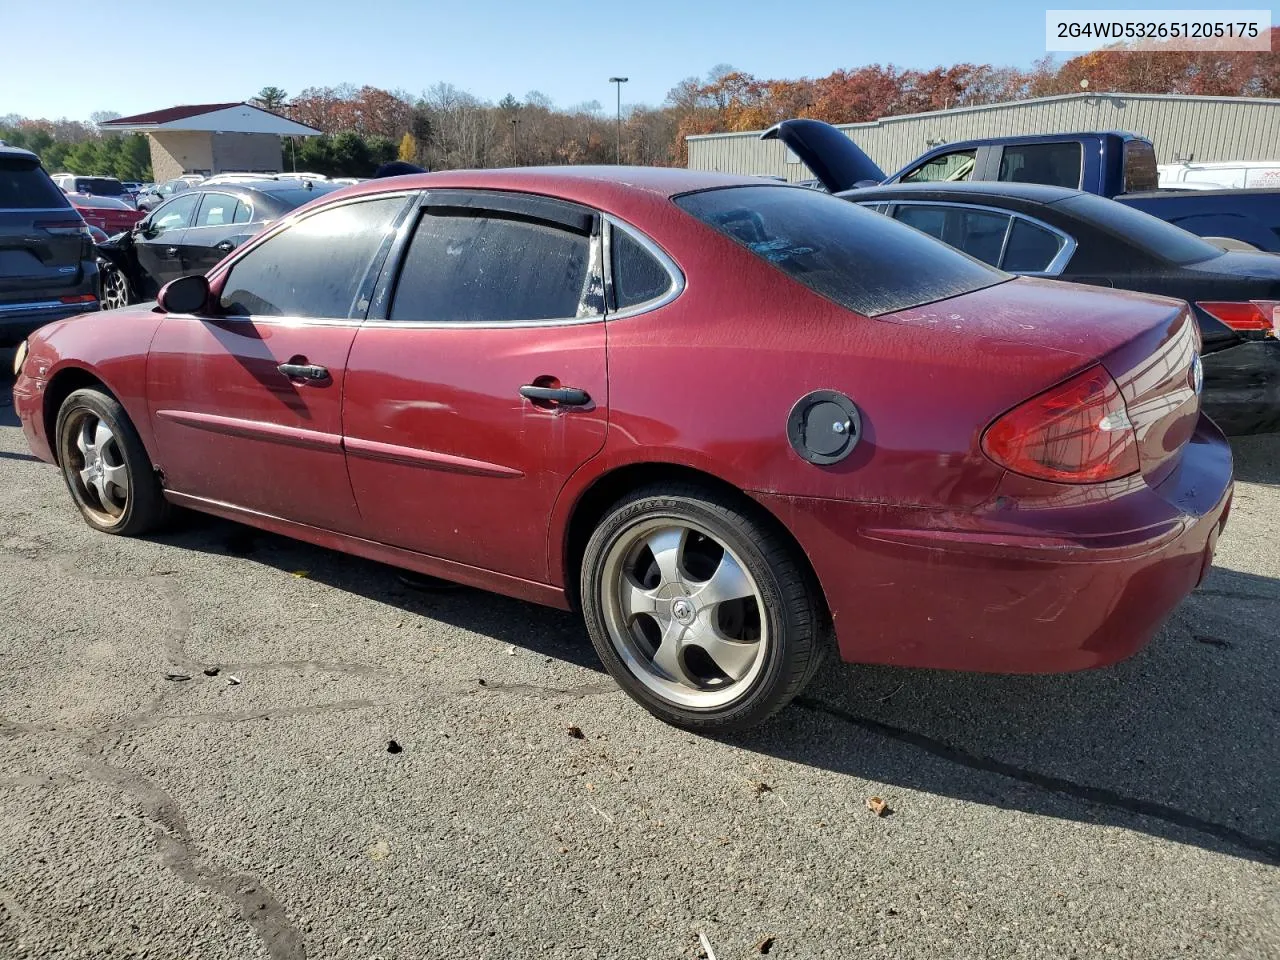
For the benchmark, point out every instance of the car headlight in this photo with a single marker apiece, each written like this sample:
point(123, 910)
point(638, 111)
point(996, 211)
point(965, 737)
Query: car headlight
point(19, 358)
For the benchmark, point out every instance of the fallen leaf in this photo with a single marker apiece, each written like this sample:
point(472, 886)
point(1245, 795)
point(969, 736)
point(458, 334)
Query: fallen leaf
point(302, 573)
point(483, 682)
point(765, 944)
point(211, 672)
point(877, 806)
point(576, 733)
point(177, 677)
point(511, 651)
point(378, 851)
point(761, 787)
point(393, 747)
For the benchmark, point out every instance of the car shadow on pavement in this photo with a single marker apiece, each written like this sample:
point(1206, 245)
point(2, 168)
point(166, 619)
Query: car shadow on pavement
point(1257, 459)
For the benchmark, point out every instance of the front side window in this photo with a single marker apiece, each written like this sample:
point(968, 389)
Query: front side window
point(316, 267)
point(957, 165)
point(174, 215)
point(479, 266)
point(1055, 164)
point(858, 259)
point(979, 233)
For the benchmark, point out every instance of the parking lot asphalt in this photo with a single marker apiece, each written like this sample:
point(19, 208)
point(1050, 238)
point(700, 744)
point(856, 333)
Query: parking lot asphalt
point(255, 809)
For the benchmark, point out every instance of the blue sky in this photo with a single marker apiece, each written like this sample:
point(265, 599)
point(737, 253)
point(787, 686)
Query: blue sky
point(229, 49)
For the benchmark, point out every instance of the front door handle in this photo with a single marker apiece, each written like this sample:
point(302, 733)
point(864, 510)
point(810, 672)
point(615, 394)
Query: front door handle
point(303, 371)
point(565, 396)
point(226, 246)
point(170, 251)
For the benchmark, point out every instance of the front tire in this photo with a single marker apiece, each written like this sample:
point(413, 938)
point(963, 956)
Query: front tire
point(116, 291)
point(105, 466)
point(699, 609)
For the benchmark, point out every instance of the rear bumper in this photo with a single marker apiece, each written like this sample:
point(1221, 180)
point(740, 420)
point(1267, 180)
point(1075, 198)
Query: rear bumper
point(1017, 588)
point(1242, 388)
point(19, 320)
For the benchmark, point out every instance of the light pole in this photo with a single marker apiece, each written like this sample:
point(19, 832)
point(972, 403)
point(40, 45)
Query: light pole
point(617, 158)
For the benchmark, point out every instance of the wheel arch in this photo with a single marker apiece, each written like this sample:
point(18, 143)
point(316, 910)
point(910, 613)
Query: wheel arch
point(62, 384)
point(604, 491)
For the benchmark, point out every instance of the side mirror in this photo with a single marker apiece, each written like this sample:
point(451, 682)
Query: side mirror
point(184, 295)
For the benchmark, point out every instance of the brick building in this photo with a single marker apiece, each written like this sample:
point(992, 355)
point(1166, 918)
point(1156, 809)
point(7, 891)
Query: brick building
point(210, 138)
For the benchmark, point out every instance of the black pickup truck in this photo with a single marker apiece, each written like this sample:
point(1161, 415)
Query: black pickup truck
point(1121, 166)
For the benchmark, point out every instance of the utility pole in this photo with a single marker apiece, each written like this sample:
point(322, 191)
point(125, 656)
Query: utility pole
point(617, 157)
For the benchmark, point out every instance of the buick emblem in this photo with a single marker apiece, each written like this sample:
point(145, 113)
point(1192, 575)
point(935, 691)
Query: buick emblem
point(1197, 374)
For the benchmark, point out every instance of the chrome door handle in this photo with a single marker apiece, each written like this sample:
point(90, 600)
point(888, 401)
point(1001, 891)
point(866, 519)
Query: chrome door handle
point(170, 251)
point(226, 246)
point(565, 396)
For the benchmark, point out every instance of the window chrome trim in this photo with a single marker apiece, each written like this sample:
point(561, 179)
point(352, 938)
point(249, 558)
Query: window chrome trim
point(1056, 265)
point(674, 272)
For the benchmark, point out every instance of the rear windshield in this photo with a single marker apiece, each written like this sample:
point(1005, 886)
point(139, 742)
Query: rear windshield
point(1150, 234)
point(25, 186)
point(101, 186)
point(296, 196)
point(106, 203)
point(865, 262)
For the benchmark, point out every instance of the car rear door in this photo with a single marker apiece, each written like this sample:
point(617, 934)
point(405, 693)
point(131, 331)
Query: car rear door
point(43, 241)
point(158, 242)
point(246, 404)
point(478, 383)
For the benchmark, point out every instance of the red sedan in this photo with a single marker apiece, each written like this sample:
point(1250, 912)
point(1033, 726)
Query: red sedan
point(728, 420)
point(108, 214)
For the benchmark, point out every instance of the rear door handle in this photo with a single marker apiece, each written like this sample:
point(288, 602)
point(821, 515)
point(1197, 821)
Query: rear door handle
point(226, 246)
point(303, 371)
point(565, 396)
point(170, 251)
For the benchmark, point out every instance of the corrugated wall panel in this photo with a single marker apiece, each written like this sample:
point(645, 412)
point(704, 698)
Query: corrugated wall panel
point(1181, 128)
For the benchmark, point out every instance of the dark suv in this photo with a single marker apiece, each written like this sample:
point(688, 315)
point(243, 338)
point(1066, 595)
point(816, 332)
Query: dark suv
point(47, 265)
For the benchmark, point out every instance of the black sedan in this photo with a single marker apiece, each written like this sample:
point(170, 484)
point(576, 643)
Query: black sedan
point(192, 231)
point(1070, 235)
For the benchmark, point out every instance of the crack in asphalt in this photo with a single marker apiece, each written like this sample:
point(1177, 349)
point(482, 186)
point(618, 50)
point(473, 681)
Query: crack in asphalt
point(1101, 796)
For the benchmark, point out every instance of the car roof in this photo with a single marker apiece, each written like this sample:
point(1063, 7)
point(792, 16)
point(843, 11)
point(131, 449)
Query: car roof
point(972, 191)
point(1038, 138)
point(599, 186)
point(16, 152)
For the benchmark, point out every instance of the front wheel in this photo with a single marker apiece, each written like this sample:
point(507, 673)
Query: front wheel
point(106, 467)
point(116, 291)
point(699, 609)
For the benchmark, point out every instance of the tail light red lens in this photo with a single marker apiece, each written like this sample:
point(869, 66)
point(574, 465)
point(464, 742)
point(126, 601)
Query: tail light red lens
point(79, 298)
point(64, 227)
point(1261, 315)
point(1076, 432)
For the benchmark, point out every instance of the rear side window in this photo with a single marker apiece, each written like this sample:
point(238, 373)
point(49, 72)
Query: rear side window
point(25, 186)
point(1056, 164)
point(865, 262)
point(216, 210)
point(979, 233)
point(1140, 171)
point(638, 277)
point(1030, 249)
point(316, 267)
point(477, 266)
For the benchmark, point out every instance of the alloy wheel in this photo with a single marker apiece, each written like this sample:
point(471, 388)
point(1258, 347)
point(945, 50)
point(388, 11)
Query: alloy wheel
point(98, 468)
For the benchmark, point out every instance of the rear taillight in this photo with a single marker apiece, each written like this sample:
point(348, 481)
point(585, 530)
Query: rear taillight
point(64, 228)
point(1244, 315)
point(1076, 432)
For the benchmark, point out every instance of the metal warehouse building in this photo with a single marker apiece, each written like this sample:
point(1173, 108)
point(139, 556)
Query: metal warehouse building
point(1181, 127)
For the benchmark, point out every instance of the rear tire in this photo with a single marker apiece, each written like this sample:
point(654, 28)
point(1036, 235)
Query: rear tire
point(699, 609)
point(106, 467)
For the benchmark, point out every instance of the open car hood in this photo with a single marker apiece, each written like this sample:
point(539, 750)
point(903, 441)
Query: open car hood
point(835, 160)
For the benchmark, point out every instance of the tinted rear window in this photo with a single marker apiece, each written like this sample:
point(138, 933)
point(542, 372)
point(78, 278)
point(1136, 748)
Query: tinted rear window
point(1150, 234)
point(296, 196)
point(25, 186)
point(858, 259)
point(107, 203)
point(100, 186)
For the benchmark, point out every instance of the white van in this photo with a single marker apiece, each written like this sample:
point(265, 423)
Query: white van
point(1220, 175)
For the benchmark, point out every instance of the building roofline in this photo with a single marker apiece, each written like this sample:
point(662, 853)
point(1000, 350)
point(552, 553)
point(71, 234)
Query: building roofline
point(896, 118)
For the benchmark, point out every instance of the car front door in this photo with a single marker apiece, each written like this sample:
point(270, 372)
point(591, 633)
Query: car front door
point(246, 403)
point(158, 240)
point(478, 383)
point(219, 221)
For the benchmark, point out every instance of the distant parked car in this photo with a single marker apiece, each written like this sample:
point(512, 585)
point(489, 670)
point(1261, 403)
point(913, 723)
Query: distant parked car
point(1043, 231)
point(94, 186)
point(47, 267)
point(1220, 175)
point(192, 231)
point(159, 194)
point(110, 214)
